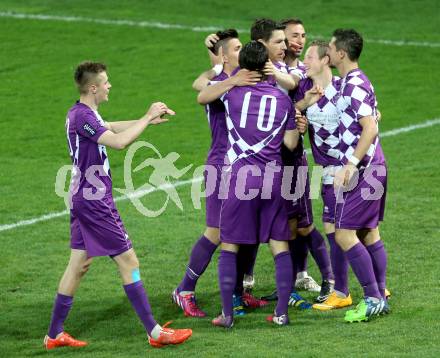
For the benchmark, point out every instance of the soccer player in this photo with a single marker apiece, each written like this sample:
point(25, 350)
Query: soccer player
point(361, 182)
point(259, 118)
point(308, 237)
point(223, 49)
point(323, 126)
point(95, 224)
point(300, 211)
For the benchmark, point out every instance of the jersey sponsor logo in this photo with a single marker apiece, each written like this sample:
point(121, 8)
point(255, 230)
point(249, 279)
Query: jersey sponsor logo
point(89, 129)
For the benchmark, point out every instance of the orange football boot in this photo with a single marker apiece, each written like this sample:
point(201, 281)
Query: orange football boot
point(63, 340)
point(170, 336)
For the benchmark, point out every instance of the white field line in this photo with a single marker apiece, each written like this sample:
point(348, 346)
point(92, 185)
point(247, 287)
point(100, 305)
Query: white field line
point(139, 194)
point(161, 25)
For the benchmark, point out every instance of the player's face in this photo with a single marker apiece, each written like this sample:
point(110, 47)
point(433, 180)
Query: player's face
point(101, 88)
point(314, 65)
point(233, 49)
point(333, 53)
point(276, 45)
point(296, 39)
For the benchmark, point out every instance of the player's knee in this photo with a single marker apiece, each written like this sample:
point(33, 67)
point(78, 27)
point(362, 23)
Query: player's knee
point(85, 267)
point(213, 235)
point(304, 231)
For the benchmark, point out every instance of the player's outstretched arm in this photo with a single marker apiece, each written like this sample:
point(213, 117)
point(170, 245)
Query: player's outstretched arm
point(241, 78)
point(286, 80)
point(129, 135)
point(119, 126)
point(291, 138)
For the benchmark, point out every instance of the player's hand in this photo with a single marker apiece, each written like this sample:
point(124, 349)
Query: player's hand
point(211, 40)
point(156, 111)
point(301, 122)
point(313, 95)
point(344, 175)
point(294, 46)
point(378, 116)
point(269, 69)
point(246, 78)
point(216, 59)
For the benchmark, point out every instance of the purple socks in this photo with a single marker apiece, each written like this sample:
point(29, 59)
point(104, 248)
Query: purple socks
point(201, 255)
point(379, 258)
point(320, 254)
point(227, 276)
point(60, 311)
point(136, 294)
point(362, 266)
point(299, 249)
point(339, 265)
point(284, 280)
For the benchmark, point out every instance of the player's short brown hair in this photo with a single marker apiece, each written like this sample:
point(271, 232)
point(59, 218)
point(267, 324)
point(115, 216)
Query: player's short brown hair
point(85, 72)
point(291, 21)
point(350, 41)
point(223, 39)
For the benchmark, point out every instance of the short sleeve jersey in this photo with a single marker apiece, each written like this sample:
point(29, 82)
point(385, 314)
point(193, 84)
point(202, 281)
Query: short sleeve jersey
point(215, 113)
point(84, 126)
point(323, 119)
point(357, 100)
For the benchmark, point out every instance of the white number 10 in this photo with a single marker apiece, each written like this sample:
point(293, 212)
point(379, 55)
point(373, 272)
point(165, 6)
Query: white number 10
point(261, 112)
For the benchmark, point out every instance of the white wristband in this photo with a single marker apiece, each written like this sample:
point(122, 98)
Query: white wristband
point(353, 160)
point(218, 69)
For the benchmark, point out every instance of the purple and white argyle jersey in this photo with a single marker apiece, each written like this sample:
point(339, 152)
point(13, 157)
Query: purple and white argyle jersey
point(357, 99)
point(256, 118)
point(323, 118)
point(215, 112)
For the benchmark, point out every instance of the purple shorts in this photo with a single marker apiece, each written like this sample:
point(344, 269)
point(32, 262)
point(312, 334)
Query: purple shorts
point(363, 206)
point(329, 203)
point(213, 202)
point(256, 220)
point(300, 209)
point(96, 227)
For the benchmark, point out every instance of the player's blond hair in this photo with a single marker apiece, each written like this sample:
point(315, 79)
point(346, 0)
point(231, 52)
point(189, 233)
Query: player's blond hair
point(322, 47)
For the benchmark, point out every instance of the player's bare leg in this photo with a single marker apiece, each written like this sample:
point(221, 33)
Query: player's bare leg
point(158, 336)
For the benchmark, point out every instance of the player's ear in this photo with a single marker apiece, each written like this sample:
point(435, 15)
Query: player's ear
point(262, 41)
point(326, 59)
point(93, 89)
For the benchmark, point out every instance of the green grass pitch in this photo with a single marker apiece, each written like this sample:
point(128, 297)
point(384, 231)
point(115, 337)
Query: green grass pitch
point(147, 64)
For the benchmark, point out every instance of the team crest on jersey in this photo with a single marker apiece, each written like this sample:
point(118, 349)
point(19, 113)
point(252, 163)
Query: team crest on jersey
point(89, 129)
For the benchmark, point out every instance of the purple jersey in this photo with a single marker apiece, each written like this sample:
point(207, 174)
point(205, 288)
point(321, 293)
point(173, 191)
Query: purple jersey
point(215, 112)
point(257, 117)
point(91, 169)
point(323, 119)
point(357, 100)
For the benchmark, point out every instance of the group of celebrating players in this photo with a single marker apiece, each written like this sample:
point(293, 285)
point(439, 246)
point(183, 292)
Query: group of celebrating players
point(260, 100)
